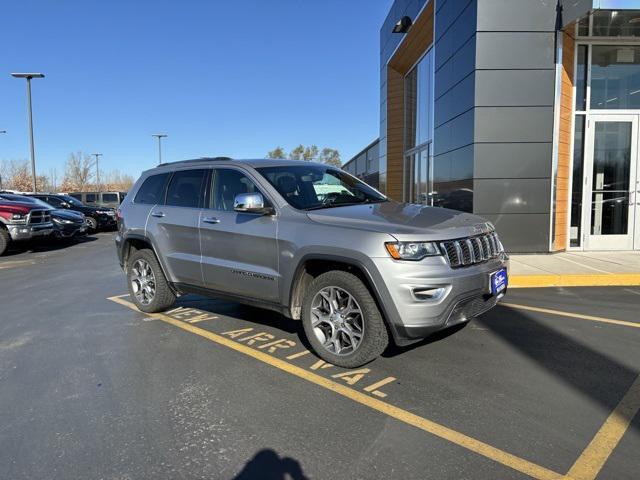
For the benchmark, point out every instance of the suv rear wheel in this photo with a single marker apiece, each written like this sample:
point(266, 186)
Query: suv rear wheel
point(148, 287)
point(341, 320)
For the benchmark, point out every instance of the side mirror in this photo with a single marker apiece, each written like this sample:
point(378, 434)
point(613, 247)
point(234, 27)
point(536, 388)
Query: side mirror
point(65, 205)
point(251, 203)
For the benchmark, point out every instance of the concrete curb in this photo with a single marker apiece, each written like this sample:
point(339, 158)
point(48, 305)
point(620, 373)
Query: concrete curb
point(574, 280)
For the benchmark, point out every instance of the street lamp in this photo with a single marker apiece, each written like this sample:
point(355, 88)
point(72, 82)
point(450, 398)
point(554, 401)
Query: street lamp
point(29, 76)
point(97, 155)
point(159, 136)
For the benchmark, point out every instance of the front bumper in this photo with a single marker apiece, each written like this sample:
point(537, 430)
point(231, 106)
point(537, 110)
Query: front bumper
point(27, 232)
point(464, 294)
point(70, 230)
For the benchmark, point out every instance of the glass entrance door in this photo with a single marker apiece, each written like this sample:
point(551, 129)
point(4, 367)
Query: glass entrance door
point(611, 169)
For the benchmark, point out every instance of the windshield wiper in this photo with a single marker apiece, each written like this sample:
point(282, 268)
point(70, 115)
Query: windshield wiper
point(344, 204)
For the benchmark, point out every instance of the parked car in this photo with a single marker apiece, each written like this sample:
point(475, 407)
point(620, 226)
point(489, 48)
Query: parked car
point(353, 265)
point(100, 199)
point(98, 218)
point(66, 223)
point(22, 221)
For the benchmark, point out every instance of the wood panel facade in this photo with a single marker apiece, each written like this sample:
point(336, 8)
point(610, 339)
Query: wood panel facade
point(562, 201)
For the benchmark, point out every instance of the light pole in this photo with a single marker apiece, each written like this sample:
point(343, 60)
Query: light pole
point(29, 76)
point(97, 155)
point(159, 136)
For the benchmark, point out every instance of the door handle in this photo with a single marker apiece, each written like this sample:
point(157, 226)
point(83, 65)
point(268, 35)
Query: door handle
point(157, 214)
point(211, 220)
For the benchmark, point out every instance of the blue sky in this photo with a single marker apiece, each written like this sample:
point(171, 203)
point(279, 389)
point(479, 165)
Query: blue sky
point(219, 77)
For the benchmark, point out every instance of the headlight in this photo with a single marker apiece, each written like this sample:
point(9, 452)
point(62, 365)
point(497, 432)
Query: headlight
point(62, 221)
point(18, 218)
point(412, 250)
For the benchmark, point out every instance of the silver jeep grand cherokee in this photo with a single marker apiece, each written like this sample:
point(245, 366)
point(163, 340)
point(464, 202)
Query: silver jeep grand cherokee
point(312, 242)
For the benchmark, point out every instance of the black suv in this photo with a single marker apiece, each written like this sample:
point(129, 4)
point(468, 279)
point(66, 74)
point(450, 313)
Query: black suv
point(98, 218)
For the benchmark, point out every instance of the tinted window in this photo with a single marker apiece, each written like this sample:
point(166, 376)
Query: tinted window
point(77, 196)
point(90, 198)
point(110, 197)
point(152, 190)
point(55, 201)
point(185, 188)
point(227, 184)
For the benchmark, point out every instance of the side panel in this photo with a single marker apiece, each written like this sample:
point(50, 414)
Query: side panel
point(174, 232)
point(239, 253)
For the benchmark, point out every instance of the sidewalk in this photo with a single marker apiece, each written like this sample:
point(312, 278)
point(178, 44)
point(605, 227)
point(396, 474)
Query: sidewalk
point(575, 269)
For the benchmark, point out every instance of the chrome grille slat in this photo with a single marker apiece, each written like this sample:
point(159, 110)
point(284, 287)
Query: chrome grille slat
point(464, 252)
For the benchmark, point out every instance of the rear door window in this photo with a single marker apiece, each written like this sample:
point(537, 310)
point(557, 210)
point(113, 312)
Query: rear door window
point(152, 190)
point(186, 188)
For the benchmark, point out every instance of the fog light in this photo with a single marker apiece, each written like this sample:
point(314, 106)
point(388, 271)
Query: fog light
point(24, 230)
point(429, 293)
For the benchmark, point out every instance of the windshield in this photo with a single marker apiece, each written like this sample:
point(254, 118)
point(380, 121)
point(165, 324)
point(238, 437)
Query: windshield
point(73, 201)
point(310, 187)
point(23, 199)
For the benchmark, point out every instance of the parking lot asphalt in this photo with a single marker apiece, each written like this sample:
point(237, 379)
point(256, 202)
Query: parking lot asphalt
point(545, 385)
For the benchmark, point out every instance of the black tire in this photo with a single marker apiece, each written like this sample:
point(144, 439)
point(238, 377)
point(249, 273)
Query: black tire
point(5, 240)
point(164, 296)
point(375, 337)
point(92, 224)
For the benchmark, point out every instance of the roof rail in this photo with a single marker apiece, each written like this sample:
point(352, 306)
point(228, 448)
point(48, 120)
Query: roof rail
point(201, 159)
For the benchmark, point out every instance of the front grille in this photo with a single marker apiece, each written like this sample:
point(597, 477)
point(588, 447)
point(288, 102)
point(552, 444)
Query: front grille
point(39, 216)
point(464, 252)
point(471, 307)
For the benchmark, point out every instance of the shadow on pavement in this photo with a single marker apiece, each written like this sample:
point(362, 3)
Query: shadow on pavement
point(45, 245)
point(267, 465)
point(595, 375)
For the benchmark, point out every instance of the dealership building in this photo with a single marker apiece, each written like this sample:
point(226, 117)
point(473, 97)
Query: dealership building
point(525, 112)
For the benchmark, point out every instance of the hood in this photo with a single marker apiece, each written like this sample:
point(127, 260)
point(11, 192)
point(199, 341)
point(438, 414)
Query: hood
point(18, 207)
point(403, 220)
point(68, 215)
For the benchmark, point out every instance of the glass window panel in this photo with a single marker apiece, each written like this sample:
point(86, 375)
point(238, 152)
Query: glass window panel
point(616, 23)
point(410, 108)
point(185, 188)
point(575, 235)
point(227, 184)
point(581, 78)
point(583, 27)
point(610, 183)
point(609, 213)
point(615, 77)
point(418, 103)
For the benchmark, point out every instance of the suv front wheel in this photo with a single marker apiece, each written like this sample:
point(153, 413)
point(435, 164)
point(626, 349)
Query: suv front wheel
point(341, 320)
point(148, 286)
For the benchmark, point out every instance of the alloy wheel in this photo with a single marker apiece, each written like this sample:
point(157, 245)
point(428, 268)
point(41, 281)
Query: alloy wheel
point(143, 282)
point(337, 320)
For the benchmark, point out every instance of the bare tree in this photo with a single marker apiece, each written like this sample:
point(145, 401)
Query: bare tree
point(117, 181)
point(297, 153)
point(277, 152)
point(16, 175)
point(78, 172)
point(330, 156)
point(310, 153)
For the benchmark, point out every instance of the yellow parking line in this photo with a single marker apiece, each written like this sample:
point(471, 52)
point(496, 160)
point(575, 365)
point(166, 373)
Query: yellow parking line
point(500, 456)
point(574, 280)
point(571, 315)
point(598, 451)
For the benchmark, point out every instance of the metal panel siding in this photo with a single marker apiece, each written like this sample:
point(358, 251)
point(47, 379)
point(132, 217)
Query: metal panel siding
point(522, 233)
point(455, 102)
point(516, 15)
point(512, 160)
point(511, 195)
point(514, 50)
point(513, 124)
point(510, 88)
point(456, 68)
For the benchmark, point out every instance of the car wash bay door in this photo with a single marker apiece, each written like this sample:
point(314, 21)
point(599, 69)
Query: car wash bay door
point(611, 185)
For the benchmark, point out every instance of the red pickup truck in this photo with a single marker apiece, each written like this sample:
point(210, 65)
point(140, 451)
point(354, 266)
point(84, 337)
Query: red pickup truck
point(22, 221)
